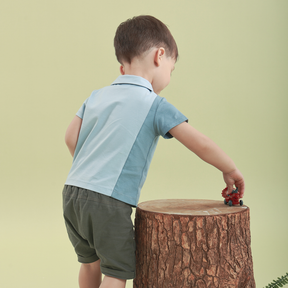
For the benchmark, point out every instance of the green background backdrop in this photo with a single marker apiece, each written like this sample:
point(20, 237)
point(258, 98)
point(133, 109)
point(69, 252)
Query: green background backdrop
point(230, 81)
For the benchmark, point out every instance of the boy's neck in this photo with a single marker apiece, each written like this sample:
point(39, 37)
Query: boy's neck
point(143, 66)
point(153, 66)
point(138, 67)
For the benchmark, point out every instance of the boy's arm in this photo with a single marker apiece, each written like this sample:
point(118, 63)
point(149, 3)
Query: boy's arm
point(72, 133)
point(208, 151)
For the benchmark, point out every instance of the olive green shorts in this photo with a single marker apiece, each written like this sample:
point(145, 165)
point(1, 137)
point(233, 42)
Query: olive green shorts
point(100, 227)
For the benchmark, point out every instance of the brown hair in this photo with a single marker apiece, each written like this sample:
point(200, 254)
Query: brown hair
point(138, 34)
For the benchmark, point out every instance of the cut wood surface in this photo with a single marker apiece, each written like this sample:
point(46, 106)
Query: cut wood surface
point(192, 243)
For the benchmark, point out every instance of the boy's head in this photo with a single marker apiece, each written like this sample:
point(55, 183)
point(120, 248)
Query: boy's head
point(139, 34)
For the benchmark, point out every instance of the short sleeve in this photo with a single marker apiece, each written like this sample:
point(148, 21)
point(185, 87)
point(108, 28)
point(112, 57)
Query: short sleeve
point(81, 111)
point(167, 116)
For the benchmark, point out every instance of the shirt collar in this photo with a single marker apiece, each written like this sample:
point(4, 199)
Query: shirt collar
point(133, 80)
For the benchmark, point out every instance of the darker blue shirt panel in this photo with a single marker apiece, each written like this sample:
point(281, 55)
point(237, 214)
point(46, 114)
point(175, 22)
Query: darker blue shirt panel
point(156, 123)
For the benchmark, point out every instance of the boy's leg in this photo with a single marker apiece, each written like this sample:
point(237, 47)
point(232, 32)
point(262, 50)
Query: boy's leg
point(90, 275)
point(109, 282)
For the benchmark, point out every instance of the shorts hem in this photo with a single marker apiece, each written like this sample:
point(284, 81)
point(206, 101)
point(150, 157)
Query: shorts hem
point(87, 260)
point(118, 274)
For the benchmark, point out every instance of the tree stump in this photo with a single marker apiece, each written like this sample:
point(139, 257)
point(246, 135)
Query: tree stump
point(192, 243)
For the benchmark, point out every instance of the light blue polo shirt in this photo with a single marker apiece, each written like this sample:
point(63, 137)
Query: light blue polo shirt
point(121, 125)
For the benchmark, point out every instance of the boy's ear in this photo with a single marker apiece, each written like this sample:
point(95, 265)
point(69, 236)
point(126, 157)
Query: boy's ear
point(160, 52)
point(122, 70)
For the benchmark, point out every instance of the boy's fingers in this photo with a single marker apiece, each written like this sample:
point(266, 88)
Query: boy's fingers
point(236, 179)
point(241, 189)
point(230, 189)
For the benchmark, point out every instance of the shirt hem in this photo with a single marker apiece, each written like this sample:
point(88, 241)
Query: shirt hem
point(101, 190)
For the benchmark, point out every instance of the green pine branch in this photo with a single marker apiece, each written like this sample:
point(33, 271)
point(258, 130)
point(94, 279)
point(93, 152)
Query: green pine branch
point(280, 282)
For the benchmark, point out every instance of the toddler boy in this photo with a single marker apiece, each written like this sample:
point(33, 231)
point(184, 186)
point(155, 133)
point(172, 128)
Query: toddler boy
point(112, 138)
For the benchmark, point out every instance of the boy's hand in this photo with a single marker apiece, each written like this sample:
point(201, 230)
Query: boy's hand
point(236, 179)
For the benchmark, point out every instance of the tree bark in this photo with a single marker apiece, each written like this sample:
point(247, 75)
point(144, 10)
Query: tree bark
point(192, 243)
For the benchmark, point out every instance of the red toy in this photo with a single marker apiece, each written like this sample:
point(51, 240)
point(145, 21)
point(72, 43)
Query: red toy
point(233, 198)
